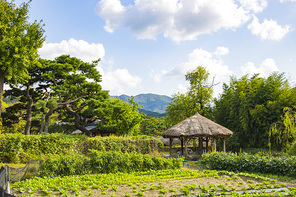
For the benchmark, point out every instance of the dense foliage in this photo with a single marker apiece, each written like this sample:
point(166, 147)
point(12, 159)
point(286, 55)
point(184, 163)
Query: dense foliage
point(118, 117)
point(285, 165)
point(139, 144)
point(284, 131)
point(249, 106)
point(292, 150)
point(153, 126)
point(18, 148)
point(105, 162)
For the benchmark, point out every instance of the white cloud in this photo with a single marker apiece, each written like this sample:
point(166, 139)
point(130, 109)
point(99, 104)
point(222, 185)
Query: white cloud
point(221, 51)
point(254, 5)
point(287, 0)
point(199, 57)
point(176, 20)
point(117, 81)
point(112, 11)
point(182, 89)
point(265, 69)
point(269, 29)
point(76, 48)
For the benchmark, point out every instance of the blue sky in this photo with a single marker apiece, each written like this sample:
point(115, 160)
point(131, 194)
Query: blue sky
point(147, 46)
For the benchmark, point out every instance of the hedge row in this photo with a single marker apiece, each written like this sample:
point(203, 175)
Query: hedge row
point(18, 148)
point(105, 162)
point(285, 165)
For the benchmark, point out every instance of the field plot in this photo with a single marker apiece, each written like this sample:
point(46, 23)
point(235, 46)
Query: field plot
point(151, 183)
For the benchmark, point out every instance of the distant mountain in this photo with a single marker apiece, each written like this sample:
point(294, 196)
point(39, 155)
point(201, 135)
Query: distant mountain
point(151, 103)
point(151, 113)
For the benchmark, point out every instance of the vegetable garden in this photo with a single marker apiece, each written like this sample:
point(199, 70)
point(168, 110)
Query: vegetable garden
point(153, 183)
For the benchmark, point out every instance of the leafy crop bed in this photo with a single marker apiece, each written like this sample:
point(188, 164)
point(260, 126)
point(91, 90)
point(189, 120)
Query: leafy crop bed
point(285, 165)
point(151, 183)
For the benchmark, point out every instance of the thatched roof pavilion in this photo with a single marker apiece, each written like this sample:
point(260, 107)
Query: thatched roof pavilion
point(197, 126)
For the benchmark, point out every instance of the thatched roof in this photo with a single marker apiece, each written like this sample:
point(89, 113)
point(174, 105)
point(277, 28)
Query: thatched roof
point(197, 126)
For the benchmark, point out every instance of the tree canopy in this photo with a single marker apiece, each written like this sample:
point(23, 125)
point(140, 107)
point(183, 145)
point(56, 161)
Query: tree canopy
point(19, 41)
point(197, 99)
point(70, 89)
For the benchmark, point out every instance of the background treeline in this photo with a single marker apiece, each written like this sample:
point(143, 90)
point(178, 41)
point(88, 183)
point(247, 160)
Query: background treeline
point(259, 111)
point(18, 148)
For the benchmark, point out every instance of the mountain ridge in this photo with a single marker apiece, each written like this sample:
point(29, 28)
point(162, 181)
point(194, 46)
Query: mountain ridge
point(150, 102)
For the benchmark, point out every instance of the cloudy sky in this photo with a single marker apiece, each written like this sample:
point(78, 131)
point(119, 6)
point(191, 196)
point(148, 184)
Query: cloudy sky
point(147, 46)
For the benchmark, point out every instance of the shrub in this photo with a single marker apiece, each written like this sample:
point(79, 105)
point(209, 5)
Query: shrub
point(18, 148)
point(105, 162)
point(139, 144)
point(285, 165)
point(64, 165)
point(113, 162)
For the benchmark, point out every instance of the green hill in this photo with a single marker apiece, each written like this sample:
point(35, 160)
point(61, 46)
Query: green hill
point(150, 102)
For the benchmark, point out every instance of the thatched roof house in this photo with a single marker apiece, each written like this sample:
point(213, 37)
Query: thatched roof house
point(197, 126)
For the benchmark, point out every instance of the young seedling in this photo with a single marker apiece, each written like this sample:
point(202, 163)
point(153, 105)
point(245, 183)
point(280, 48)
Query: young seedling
point(162, 191)
point(126, 195)
point(114, 188)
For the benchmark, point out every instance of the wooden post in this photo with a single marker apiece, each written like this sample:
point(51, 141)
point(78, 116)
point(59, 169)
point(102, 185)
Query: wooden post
point(224, 147)
point(171, 142)
point(185, 142)
point(207, 144)
point(214, 148)
point(181, 139)
point(196, 144)
point(200, 145)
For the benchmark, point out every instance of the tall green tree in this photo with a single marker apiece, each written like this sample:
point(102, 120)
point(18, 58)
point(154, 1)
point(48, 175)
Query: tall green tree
point(250, 105)
point(75, 84)
point(197, 99)
point(19, 41)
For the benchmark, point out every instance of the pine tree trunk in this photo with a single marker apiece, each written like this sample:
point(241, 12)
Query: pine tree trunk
point(42, 124)
point(77, 120)
point(29, 112)
point(47, 118)
point(29, 117)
